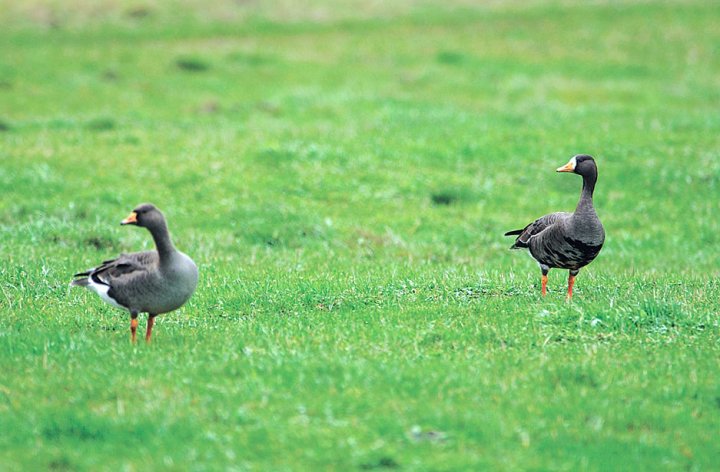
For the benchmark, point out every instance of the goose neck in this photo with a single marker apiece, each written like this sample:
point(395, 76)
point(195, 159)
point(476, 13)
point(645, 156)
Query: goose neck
point(163, 243)
point(586, 195)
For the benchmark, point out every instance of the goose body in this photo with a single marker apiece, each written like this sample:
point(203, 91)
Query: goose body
point(566, 240)
point(152, 282)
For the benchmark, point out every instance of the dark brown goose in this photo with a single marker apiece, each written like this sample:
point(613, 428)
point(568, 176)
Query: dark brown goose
point(152, 282)
point(566, 240)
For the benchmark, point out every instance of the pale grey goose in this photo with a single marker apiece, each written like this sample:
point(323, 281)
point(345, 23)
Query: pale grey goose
point(152, 282)
point(566, 240)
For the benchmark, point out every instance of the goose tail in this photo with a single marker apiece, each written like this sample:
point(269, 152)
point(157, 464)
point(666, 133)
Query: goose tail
point(517, 244)
point(82, 282)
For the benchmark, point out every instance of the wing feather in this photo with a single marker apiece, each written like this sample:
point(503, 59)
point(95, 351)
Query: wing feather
point(125, 267)
point(535, 228)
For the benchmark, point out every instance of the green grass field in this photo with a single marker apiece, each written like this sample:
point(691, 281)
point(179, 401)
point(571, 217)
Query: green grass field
point(342, 172)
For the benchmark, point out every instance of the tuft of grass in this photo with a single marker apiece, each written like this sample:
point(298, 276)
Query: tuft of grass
point(443, 198)
point(192, 64)
point(138, 12)
point(451, 58)
point(101, 124)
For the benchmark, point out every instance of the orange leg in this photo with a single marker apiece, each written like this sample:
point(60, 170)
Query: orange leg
point(151, 322)
point(571, 282)
point(544, 284)
point(133, 328)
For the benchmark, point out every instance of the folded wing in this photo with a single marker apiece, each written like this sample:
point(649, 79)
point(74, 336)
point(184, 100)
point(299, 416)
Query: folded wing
point(535, 228)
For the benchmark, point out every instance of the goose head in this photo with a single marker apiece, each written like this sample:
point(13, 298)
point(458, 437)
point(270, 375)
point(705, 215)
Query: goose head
point(581, 164)
point(145, 215)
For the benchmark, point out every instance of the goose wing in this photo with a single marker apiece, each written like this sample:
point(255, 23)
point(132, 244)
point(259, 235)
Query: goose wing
point(535, 228)
point(119, 278)
point(121, 269)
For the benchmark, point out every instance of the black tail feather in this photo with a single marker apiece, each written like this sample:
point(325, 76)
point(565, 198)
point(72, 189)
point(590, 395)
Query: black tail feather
point(84, 282)
point(514, 232)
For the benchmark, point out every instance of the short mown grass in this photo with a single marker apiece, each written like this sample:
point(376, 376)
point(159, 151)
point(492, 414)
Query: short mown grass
point(343, 173)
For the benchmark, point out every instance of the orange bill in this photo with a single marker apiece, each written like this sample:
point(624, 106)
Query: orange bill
point(569, 167)
point(132, 218)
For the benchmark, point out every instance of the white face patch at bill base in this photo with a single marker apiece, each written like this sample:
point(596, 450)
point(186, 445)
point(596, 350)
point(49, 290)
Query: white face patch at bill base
point(570, 166)
point(573, 163)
